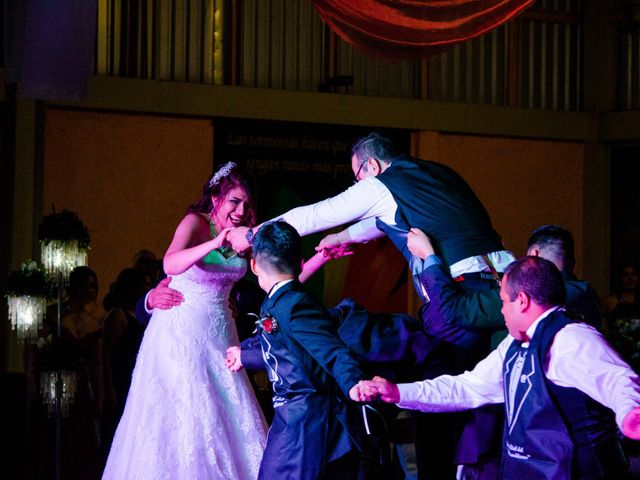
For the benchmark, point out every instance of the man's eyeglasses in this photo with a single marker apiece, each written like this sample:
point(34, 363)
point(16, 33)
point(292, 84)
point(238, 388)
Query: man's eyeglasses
point(356, 179)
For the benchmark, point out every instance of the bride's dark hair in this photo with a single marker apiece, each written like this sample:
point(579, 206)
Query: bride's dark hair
point(227, 177)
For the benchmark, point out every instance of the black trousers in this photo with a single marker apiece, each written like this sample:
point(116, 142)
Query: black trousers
point(343, 468)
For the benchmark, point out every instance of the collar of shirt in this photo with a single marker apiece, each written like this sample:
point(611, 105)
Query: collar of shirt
point(277, 285)
point(532, 328)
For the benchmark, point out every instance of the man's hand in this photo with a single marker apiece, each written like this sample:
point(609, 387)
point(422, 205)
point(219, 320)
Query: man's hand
point(335, 253)
point(360, 393)
point(238, 239)
point(382, 388)
point(631, 424)
point(232, 362)
point(334, 240)
point(419, 244)
point(329, 242)
point(164, 297)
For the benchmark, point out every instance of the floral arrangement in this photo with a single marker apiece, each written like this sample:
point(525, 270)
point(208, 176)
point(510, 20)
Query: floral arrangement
point(626, 338)
point(267, 324)
point(30, 280)
point(65, 226)
point(64, 240)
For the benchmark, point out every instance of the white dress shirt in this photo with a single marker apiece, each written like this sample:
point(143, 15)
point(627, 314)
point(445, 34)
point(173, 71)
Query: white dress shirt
point(363, 202)
point(366, 199)
point(579, 357)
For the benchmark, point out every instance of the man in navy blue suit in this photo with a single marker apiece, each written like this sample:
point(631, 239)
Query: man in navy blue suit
point(312, 371)
point(452, 307)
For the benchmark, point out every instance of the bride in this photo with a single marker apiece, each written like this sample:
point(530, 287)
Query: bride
point(187, 416)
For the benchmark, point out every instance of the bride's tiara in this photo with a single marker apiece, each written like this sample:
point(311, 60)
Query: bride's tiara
point(222, 172)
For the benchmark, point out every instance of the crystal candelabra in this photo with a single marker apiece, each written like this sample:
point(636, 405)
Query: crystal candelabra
point(26, 314)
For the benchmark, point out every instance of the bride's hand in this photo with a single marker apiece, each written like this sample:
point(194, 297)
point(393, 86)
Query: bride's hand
point(233, 362)
point(221, 239)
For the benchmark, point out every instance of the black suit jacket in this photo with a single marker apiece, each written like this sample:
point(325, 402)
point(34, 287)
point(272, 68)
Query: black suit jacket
point(480, 310)
point(311, 371)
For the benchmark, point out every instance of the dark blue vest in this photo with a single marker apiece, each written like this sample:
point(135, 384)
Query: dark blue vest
point(554, 432)
point(435, 199)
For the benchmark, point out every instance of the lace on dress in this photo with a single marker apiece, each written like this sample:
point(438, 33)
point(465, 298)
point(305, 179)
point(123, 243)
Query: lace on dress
point(187, 416)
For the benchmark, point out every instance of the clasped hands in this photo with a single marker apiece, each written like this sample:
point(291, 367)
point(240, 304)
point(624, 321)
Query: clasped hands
point(376, 388)
point(335, 245)
point(363, 391)
point(330, 245)
point(237, 237)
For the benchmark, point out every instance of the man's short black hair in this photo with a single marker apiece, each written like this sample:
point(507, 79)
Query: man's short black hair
point(375, 146)
point(556, 243)
point(539, 278)
point(277, 248)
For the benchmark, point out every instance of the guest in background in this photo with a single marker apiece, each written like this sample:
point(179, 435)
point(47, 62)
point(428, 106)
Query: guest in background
point(80, 349)
point(621, 311)
point(147, 261)
point(122, 337)
point(82, 320)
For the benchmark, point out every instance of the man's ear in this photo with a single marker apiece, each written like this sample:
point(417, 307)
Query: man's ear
point(523, 301)
point(533, 252)
point(373, 166)
point(254, 265)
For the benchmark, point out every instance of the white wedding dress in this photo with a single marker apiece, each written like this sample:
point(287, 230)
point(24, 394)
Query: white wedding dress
point(187, 416)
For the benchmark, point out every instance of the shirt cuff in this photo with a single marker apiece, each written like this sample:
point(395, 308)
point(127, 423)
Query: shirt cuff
point(418, 265)
point(623, 410)
point(431, 260)
point(364, 230)
point(409, 397)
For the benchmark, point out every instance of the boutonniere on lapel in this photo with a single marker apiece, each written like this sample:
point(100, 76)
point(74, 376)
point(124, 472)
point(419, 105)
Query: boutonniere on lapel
point(268, 324)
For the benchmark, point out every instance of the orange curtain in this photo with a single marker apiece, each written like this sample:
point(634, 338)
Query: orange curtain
point(413, 29)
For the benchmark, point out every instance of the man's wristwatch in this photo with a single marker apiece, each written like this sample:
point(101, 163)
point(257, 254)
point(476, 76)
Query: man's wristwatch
point(249, 236)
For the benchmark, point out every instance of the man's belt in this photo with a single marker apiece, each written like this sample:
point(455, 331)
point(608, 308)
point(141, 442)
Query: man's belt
point(475, 276)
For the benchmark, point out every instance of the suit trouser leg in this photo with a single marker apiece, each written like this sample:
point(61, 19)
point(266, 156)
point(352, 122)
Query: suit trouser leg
point(343, 468)
point(469, 435)
point(435, 441)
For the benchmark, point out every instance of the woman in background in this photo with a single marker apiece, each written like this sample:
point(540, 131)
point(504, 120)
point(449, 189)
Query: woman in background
point(121, 341)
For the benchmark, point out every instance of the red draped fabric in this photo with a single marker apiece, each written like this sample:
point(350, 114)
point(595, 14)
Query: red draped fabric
point(413, 29)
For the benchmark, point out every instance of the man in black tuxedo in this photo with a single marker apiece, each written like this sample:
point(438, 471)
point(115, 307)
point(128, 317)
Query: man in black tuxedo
point(391, 194)
point(312, 371)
